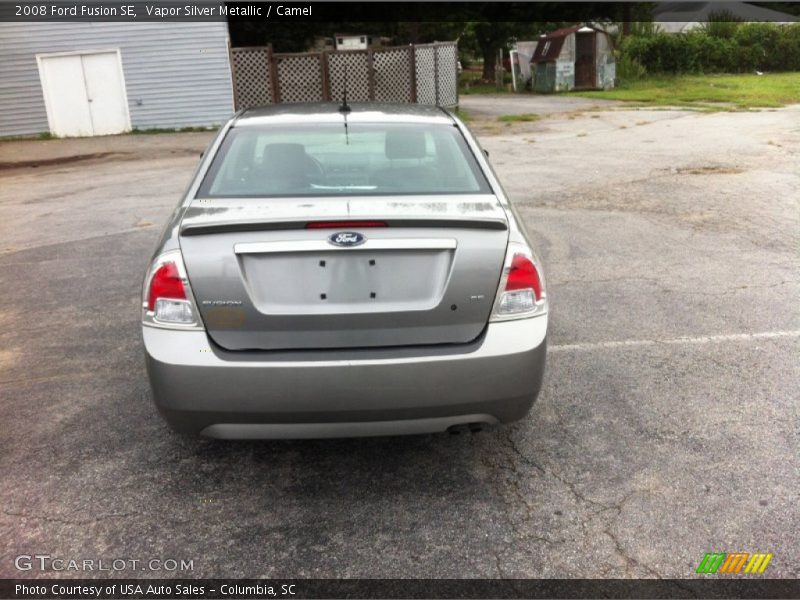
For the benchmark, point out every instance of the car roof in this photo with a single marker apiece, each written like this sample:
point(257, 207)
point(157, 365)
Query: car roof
point(329, 112)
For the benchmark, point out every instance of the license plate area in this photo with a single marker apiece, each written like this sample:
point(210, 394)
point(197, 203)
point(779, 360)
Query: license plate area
point(346, 281)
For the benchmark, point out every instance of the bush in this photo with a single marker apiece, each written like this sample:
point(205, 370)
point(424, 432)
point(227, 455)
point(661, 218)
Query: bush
point(644, 28)
point(711, 54)
point(722, 24)
point(789, 47)
point(629, 69)
point(660, 53)
point(738, 47)
point(759, 43)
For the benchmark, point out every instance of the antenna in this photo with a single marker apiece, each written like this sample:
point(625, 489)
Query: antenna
point(345, 108)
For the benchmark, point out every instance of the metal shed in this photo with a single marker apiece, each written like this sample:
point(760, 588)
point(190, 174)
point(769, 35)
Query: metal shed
point(83, 79)
point(579, 57)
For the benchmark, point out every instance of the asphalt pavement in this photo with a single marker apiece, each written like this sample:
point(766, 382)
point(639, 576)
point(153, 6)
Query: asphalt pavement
point(667, 426)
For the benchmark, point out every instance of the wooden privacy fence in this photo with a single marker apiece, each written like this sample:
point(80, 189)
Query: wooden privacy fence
point(424, 74)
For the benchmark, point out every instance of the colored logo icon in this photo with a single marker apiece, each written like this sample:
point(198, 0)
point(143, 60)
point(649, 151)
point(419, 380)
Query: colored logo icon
point(734, 563)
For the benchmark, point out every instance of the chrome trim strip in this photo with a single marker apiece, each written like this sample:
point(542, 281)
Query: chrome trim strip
point(324, 245)
point(240, 431)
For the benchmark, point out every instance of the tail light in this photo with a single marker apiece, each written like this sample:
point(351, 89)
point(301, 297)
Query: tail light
point(167, 298)
point(521, 292)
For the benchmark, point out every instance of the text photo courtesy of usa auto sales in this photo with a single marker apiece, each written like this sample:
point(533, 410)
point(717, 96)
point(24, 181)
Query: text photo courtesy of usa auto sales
point(399, 299)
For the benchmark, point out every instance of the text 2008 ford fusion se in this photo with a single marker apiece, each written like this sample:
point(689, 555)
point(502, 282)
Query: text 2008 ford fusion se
point(338, 271)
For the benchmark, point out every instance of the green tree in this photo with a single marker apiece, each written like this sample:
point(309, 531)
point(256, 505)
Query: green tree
point(495, 25)
point(415, 32)
point(299, 36)
point(491, 36)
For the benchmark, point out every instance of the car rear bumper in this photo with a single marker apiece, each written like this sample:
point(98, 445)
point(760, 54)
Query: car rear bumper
point(199, 388)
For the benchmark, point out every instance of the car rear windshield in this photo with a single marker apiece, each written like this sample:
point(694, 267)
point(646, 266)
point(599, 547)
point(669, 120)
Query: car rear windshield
point(333, 160)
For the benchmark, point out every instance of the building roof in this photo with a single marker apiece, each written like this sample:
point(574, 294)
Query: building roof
point(560, 33)
point(673, 17)
point(550, 44)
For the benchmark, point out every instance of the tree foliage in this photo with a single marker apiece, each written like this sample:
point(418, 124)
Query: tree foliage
point(299, 36)
point(482, 28)
point(746, 47)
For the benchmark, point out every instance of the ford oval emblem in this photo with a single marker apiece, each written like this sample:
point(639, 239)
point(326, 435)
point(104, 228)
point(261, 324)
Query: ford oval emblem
point(347, 239)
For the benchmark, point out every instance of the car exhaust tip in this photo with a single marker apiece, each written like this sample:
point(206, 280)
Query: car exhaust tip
point(466, 427)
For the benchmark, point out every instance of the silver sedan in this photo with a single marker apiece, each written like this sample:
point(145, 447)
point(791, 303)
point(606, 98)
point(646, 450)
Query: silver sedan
point(338, 271)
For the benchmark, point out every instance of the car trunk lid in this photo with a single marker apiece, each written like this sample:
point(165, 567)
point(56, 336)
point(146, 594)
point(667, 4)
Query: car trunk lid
point(271, 275)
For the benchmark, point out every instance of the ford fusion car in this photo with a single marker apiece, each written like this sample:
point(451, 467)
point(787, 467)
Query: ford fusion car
point(337, 271)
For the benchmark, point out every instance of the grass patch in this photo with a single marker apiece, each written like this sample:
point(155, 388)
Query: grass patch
point(525, 117)
point(708, 92)
point(481, 88)
point(46, 135)
point(463, 115)
point(31, 137)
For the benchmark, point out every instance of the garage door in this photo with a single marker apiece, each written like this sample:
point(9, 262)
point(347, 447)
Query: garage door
point(84, 93)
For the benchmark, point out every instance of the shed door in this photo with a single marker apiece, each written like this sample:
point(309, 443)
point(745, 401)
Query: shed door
point(65, 95)
point(585, 60)
point(106, 93)
point(84, 94)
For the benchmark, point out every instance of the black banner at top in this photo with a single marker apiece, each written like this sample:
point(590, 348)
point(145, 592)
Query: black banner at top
point(321, 11)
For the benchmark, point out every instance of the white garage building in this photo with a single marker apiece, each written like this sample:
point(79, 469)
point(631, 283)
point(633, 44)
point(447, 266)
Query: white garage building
point(82, 79)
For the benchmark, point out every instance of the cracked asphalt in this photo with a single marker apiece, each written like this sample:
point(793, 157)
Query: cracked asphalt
point(667, 426)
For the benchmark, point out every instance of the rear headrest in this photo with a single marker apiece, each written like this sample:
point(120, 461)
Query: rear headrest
point(402, 143)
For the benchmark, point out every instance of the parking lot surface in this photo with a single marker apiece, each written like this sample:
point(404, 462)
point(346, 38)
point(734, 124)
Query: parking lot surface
point(496, 105)
point(667, 426)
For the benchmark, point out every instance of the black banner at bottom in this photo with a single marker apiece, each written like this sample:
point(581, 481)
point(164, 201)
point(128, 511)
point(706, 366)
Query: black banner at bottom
point(133, 589)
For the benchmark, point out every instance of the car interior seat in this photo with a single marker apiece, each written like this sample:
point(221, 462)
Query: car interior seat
point(406, 150)
point(286, 166)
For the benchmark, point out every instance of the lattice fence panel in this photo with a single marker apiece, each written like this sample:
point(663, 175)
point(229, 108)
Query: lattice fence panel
point(299, 77)
point(252, 85)
point(353, 65)
point(392, 71)
point(425, 69)
point(447, 73)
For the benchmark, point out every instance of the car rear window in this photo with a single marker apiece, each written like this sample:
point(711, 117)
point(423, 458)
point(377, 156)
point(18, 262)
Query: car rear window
point(332, 160)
